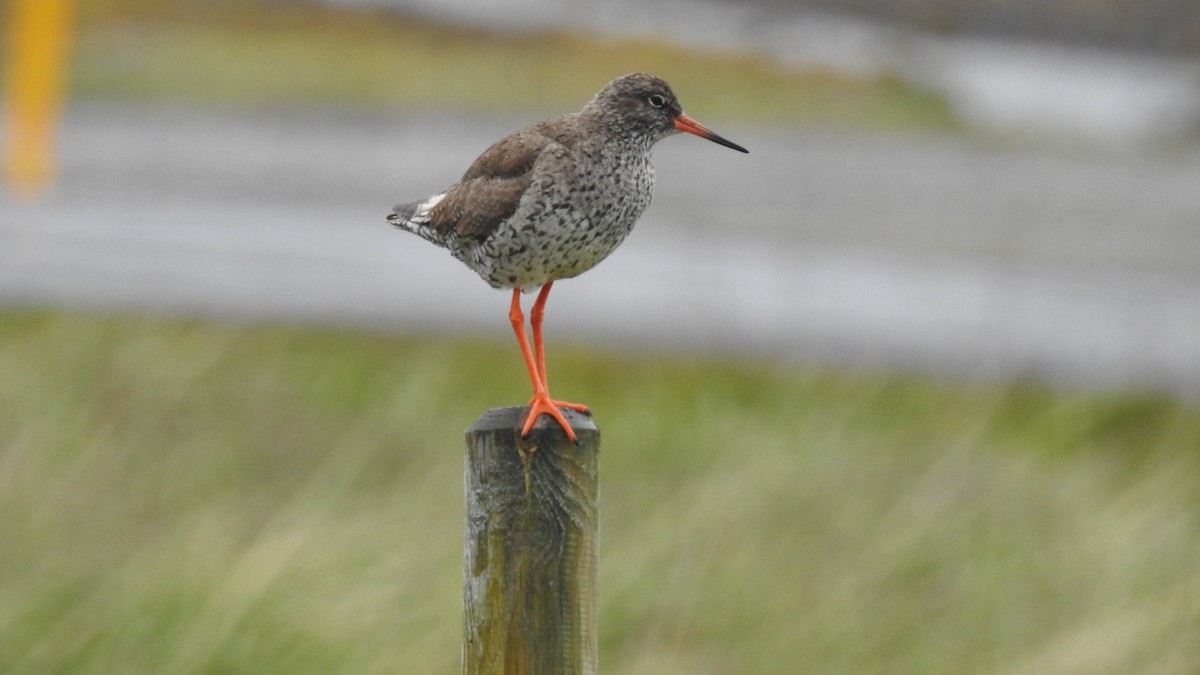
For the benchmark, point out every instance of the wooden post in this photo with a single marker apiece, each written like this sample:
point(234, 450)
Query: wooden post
point(532, 535)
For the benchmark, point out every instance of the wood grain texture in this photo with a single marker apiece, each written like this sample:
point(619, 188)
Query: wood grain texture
point(532, 537)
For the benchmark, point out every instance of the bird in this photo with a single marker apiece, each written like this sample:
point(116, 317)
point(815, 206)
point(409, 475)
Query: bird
point(551, 201)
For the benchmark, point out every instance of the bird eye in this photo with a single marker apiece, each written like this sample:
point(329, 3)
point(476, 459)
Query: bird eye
point(657, 100)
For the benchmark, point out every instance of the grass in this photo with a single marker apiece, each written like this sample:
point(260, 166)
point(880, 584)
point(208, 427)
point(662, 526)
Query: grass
point(191, 497)
point(285, 54)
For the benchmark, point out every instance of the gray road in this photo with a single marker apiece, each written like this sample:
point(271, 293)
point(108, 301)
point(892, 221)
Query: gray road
point(929, 253)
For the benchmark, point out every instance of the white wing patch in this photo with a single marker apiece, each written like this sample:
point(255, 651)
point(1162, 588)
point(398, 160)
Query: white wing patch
point(422, 214)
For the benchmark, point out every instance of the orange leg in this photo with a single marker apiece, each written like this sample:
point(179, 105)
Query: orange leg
point(541, 403)
point(536, 314)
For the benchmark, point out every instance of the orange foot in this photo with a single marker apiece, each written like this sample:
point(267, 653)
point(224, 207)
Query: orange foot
point(577, 407)
point(542, 405)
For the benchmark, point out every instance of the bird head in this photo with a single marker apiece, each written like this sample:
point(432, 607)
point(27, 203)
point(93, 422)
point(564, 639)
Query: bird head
point(643, 104)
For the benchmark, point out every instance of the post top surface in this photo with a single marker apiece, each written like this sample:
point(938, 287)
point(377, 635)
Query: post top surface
point(511, 417)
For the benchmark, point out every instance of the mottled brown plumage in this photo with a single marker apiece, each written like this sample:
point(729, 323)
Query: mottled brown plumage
point(491, 189)
point(554, 199)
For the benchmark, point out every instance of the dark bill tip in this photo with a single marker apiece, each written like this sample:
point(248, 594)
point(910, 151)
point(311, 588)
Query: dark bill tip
point(691, 126)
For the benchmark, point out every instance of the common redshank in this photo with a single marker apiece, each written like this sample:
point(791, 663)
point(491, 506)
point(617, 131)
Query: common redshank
point(551, 201)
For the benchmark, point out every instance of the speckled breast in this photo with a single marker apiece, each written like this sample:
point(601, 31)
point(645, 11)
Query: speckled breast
point(566, 224)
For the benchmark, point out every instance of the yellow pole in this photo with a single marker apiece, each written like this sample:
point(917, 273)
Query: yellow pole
point(35, 78)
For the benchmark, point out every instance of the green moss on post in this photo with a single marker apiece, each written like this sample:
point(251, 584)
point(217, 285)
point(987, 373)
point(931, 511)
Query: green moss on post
point(532, 537)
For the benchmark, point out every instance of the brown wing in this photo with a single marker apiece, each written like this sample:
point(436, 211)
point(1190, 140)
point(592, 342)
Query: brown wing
point(491, 189)
point(475, 207)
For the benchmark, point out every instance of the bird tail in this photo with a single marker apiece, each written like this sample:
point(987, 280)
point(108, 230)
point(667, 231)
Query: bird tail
point(414, 215)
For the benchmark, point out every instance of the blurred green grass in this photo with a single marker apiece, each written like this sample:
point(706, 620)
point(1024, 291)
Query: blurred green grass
point(270, 55)
point(196, 497)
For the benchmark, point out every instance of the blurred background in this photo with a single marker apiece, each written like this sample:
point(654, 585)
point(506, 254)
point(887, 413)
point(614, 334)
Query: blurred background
point(910, 388)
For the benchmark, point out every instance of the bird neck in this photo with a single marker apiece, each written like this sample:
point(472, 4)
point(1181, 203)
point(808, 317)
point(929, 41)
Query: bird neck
point(619, 134)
